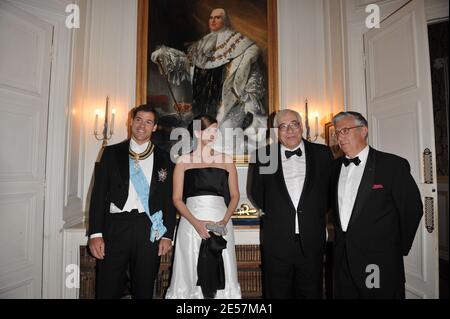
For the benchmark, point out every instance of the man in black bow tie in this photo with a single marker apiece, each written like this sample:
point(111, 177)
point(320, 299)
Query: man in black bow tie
point(294, 203)
point(377, 208)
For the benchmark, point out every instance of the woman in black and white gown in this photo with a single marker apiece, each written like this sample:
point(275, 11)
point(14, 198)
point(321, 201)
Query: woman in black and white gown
point(205, 190)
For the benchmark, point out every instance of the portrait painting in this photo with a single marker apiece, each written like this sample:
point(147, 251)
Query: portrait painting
point(215, 57)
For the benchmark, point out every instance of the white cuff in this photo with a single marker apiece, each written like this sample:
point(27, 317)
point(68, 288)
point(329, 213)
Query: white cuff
point(96, 235)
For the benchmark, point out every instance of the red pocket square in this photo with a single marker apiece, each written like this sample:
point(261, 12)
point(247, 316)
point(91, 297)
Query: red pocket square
point(377, 186)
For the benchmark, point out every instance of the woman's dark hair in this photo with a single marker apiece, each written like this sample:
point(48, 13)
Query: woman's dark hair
point(205, 122)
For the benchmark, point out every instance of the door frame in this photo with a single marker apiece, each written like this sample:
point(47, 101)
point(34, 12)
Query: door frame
point(53, 12)
point(353, 18)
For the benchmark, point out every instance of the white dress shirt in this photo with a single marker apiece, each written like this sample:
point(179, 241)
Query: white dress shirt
point(294, 171)
point(349, 180)
point(133, 201)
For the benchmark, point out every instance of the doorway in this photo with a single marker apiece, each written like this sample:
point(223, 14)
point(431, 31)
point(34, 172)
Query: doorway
point(25, 71)
point(439, 47)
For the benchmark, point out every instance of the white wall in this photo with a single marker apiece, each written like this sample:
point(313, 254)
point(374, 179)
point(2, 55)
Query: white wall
point(310, 58)
point(104, 64)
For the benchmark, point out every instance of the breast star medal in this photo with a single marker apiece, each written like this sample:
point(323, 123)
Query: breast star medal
point(162, 175)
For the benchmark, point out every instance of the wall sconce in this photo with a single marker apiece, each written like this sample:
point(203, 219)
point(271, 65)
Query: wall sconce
point(307, 127)
point(105, 136)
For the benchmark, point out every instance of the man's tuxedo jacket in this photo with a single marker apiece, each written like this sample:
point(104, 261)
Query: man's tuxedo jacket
point(111, 184)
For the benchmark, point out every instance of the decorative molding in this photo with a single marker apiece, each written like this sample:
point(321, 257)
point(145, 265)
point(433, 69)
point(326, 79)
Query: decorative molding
point(21, 256)
point(246, 235)
point(76, 220)
point(412, 293)
point(28, 166)
point(436, 10)
point(73, 212)
point(363, 3)
point(353, 39)
point(28, 285)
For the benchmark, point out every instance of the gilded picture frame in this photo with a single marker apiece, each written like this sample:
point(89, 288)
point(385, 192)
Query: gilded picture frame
point(331, 140)
point(241, 19)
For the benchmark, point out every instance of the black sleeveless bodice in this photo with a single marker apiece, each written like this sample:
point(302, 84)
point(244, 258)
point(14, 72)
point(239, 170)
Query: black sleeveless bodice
point(206, 181)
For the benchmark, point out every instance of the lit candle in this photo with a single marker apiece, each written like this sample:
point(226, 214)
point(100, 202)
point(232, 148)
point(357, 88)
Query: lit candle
point(317, 124)
point(106, 112)
point(307, 128)
point(113, 114)
point(306, 112)
point(97, 111)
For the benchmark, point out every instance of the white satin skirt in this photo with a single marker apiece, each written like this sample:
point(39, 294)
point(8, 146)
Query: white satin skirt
point(187, 247)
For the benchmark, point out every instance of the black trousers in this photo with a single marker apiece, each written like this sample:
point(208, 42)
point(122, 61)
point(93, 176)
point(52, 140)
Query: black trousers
point(293, 276)
point(127, 246)
point(345, 286)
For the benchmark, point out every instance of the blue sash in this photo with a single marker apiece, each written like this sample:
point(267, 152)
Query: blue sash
point(142, 187)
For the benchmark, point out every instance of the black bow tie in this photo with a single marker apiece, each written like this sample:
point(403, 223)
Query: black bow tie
point(297, 152)
point(354, 160)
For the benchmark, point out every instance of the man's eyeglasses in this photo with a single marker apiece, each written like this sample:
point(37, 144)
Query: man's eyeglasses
point(344, 130)
point(294, 125)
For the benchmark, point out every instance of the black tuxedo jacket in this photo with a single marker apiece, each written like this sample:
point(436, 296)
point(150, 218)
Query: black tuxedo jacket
point(269, 193)
point(111, 183)
point(383, 223)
